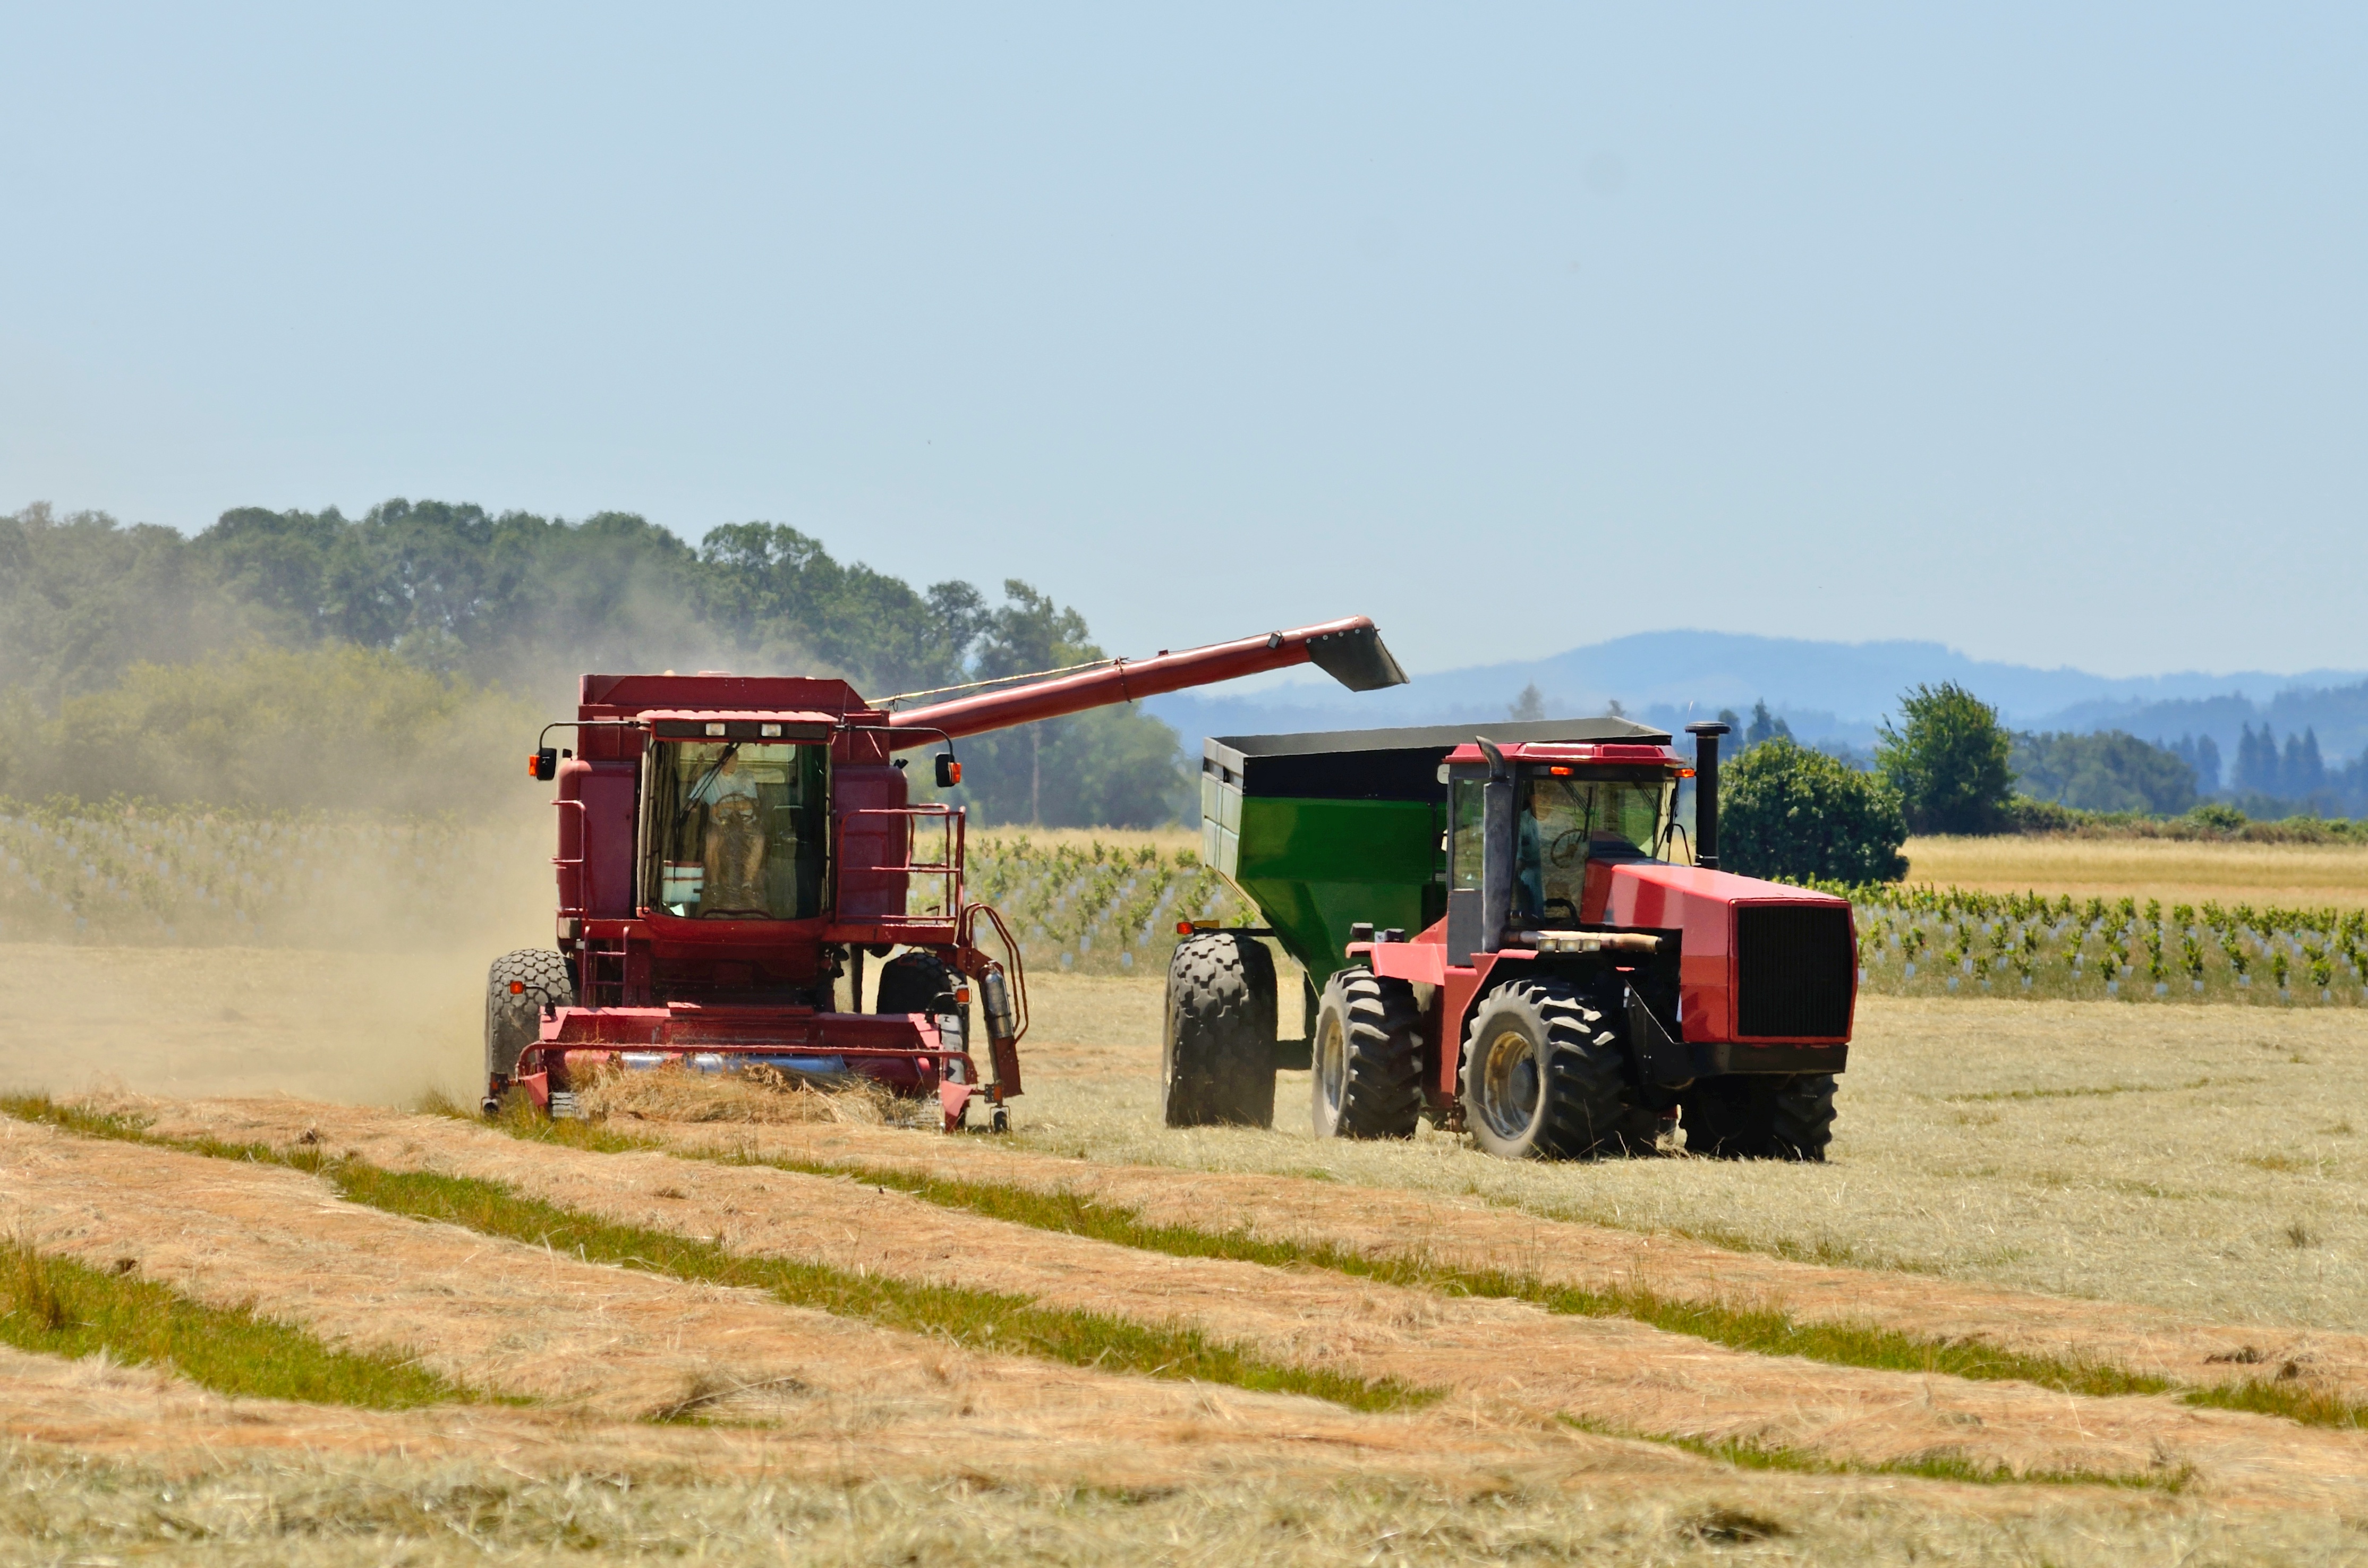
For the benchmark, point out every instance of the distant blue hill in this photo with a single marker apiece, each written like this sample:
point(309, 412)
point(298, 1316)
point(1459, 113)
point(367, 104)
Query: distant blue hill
point(1825, 690)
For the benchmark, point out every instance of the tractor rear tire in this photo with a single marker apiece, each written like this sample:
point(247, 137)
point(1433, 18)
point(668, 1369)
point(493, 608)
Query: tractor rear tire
point(1216, 1058)
point(1543, 1077)
point(514, 1019)
point(1761, 1117)
point(1366, 1058)
point(918, 981)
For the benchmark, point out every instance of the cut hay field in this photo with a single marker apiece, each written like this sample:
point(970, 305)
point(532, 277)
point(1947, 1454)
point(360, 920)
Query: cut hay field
point(2083, 1283)
point(2174, 870)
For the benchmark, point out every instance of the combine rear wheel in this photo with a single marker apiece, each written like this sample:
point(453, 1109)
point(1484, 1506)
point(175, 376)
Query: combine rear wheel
point(516, 989)
point(1542, 1077)
point(1367, 1058)
point(1216, 1058)
point(1761, 1117)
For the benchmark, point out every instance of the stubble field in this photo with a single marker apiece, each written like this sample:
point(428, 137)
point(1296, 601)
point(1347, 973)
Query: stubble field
point(2081, 1283)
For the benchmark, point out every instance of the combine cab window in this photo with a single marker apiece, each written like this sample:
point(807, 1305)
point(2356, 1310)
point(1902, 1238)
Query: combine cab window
point(736, 831)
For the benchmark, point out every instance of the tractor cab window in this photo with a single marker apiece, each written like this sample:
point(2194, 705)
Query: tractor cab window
point(1568, 820)
point(737, 830)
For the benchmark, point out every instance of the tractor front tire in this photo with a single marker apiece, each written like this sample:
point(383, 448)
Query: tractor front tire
point(918, 981)
point(1216, 1056)
point(514, 1017)
point(1543, 1078)
point(1366, 1058)
point(1771, 1116)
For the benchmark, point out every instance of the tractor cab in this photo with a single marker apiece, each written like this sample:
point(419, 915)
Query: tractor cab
point(1575, 807)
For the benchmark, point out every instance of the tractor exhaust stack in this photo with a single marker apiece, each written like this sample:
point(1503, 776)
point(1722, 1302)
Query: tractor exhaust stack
point(1706, 734)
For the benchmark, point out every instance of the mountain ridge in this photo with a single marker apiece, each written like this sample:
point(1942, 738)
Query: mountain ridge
point(1839, 692)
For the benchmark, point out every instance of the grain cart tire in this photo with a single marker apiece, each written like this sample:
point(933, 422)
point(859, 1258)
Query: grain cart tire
point(1755, 1116)
point(514, 1019)
point(918, 981)
point(1216, 1056)
point(1542, 1076)
point(1365, 1058)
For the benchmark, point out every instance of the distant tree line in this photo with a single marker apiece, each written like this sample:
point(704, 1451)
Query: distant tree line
point(2112, 771)
point(92, 609)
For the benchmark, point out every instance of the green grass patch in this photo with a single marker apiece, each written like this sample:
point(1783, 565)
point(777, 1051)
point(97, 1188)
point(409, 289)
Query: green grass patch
point(2099, 1092)
point(1757, 1330)
point(2293, 1400)
point(1937, 1466)
point(56, 1306)
point(980, 1318)
point(983, 1320)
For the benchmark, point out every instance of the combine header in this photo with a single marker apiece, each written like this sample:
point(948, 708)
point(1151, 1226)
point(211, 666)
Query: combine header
point(732, 847)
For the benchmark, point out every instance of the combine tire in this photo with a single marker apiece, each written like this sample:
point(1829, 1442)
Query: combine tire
point(1543, 1079)
point(1367, 1058)
point(1761, 1117)
point(1216, 1058)
point(918, 981)
point(514, 1019)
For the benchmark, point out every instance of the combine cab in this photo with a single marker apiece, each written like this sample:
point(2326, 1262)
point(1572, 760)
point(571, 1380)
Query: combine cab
point(1511, 936)
point(732, 850)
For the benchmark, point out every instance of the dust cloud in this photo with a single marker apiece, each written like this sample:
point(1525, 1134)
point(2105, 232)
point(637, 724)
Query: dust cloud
point(370, 990)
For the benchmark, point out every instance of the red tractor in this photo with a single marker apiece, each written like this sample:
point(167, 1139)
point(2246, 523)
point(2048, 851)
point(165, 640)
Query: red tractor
point(1576, 978)
point(730, 848)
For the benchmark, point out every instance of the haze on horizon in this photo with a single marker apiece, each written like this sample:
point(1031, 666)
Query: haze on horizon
point(2032, 333)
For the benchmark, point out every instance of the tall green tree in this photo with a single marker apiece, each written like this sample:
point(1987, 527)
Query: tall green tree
point(1785, 810)
point(2109, 771)
point(1948, 759)
point(1107, 767)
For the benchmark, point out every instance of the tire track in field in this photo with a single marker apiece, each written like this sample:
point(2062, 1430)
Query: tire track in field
point(606, 1345)
point(1503, 1361)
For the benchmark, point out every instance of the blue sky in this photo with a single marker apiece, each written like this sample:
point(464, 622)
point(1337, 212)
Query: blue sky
point(2037, 330)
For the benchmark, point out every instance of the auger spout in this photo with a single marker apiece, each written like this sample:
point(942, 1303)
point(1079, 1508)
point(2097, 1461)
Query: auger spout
point(1349, 651)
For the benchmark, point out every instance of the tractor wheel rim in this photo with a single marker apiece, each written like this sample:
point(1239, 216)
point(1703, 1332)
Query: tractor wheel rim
point(1510, 1083)
point(1331, 1063)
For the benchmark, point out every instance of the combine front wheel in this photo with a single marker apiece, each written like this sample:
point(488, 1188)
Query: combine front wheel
point(1217, 1045)
point(1366, 1056)
point(517, 989)
point(1543, 1078)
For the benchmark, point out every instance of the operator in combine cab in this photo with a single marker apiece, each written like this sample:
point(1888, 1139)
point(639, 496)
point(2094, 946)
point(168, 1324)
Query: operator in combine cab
point(733, 852)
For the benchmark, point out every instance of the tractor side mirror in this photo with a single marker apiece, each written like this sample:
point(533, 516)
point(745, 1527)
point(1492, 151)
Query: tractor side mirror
point(544, 765)
point(949, 770)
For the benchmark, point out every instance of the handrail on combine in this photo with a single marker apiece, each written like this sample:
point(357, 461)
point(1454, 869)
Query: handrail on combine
point(950, 868)
point(583, 837)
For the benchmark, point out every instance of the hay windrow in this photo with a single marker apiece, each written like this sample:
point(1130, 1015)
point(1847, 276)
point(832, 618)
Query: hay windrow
point(1614, 1370)
point(758, 1095)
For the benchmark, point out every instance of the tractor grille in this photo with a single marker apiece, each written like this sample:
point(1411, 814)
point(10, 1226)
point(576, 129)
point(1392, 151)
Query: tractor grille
point(1793, 966)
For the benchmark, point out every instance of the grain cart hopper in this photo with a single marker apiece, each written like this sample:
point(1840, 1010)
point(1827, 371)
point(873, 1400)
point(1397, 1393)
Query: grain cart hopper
point(730, 848)
point(1510, 936)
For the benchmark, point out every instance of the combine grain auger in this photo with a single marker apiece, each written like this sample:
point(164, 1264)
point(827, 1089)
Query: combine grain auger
point(730, 848)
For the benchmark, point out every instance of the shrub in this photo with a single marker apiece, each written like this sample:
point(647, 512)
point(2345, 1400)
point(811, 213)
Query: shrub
point(1788, 812)
point(1948, 761)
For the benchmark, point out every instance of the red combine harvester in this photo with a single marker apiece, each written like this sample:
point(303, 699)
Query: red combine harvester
point(731, 847)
